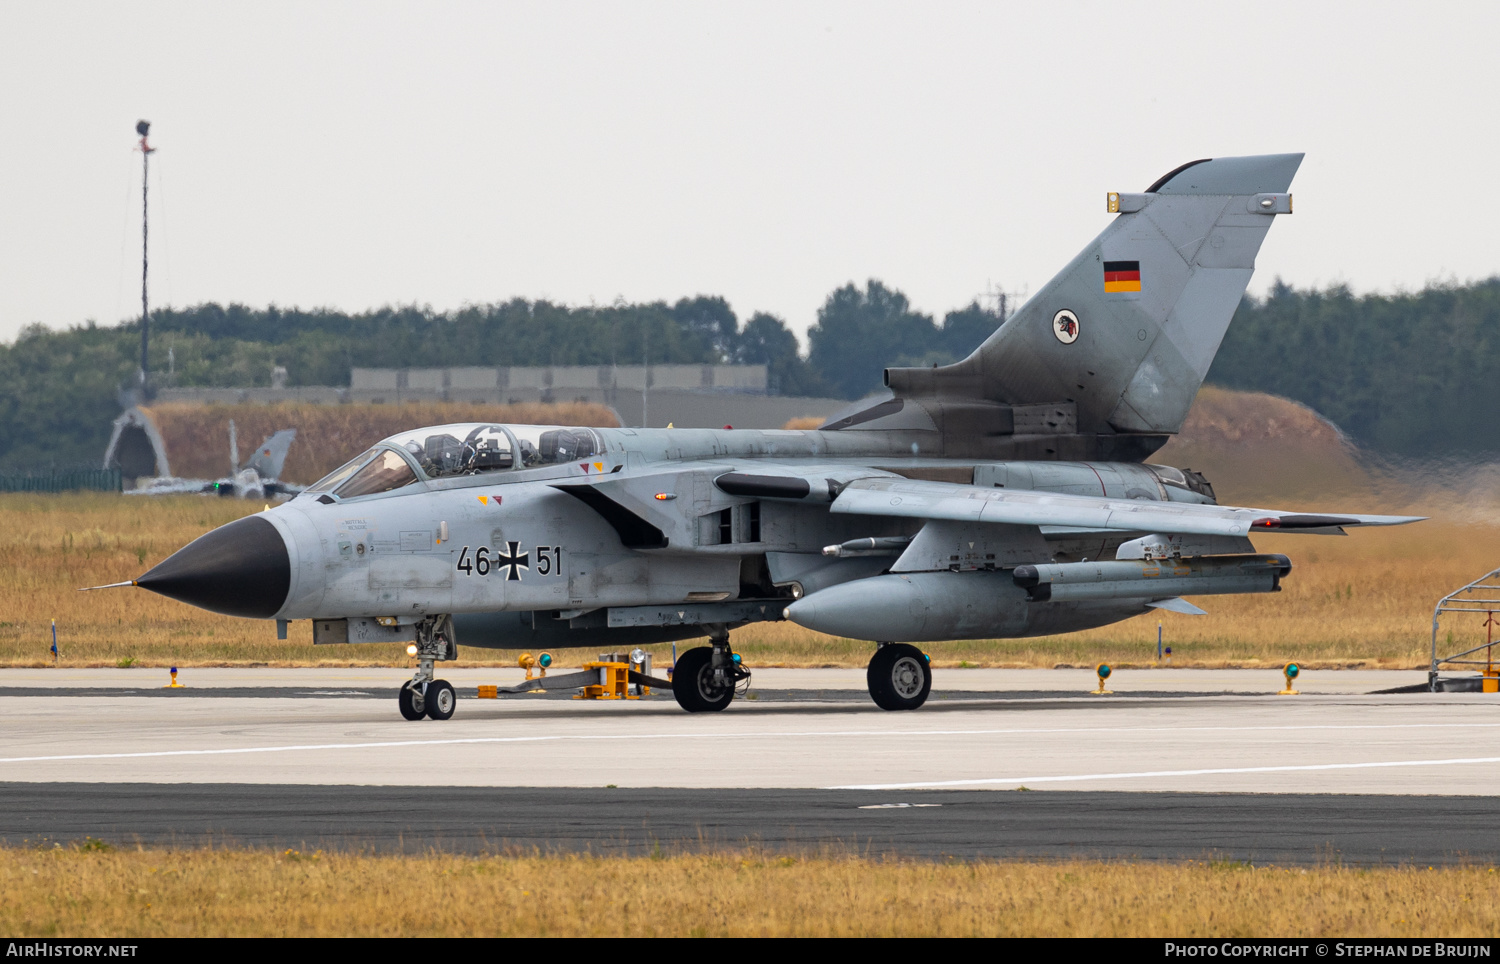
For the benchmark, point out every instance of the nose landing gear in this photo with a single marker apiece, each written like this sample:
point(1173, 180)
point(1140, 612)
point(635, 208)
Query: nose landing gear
point(899, 677)
point(423, 695)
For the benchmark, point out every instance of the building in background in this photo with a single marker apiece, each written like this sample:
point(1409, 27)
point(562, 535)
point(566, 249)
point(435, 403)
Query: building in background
point(688, 396)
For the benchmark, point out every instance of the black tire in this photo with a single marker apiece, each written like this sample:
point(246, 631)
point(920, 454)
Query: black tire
point(899, 677)
point(411, 703)
point(691, 683)
point(441, 700)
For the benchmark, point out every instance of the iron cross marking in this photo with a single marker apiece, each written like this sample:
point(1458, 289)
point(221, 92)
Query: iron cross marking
point(512, 561)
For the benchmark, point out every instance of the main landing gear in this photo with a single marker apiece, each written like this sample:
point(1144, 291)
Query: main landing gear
point(899, 677)
point(422, 695)
point(705, 678)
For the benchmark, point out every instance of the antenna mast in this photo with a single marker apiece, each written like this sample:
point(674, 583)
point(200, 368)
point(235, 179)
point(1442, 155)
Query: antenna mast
point(143, 128)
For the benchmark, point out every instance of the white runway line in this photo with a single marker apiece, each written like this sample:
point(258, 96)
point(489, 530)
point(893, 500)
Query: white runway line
point(1216, 771)
point(818, 734)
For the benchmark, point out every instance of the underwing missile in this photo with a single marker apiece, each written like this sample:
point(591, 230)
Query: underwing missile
point(1162, 578)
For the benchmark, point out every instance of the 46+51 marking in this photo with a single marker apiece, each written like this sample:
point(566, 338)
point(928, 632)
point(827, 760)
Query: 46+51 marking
point(511, 559)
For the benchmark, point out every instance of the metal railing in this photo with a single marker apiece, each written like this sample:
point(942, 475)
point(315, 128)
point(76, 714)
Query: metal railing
point(1482, 596)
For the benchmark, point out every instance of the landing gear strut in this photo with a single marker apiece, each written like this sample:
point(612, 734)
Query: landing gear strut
point(422, 695)
point(899, 677)
point(705, 678)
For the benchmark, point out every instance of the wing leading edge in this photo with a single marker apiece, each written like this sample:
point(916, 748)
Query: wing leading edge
point(967, 503)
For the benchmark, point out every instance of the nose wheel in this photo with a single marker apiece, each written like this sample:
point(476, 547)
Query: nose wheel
point(899, 677)
point(413, 706)
point(441, 700)
point(438, 702)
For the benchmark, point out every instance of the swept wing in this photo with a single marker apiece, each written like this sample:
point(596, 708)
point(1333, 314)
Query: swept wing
point(968, 503)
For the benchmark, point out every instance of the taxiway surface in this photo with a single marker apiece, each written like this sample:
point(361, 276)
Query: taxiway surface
point(1177, 763)
point(931, 824)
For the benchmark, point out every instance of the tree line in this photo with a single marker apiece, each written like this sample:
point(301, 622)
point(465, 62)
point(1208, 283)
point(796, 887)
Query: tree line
point(1413, 374)
point(59, 390)
point(1410, 374)
point(859, 332)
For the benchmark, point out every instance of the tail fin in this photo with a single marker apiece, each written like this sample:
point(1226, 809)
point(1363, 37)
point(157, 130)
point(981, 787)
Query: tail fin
point(271, 455)
point(1120, 340)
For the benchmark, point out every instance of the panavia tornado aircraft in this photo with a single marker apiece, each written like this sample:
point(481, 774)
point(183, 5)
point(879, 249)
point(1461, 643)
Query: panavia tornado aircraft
point(259, 479)
point(1007, 495)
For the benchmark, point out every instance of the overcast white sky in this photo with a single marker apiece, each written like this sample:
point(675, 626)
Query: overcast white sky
point(352, 155)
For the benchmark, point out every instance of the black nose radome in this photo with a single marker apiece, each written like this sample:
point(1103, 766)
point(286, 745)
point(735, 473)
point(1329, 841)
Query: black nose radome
point(239, 569)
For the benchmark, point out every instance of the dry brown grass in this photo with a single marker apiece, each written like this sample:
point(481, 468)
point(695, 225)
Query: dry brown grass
point(54, 544)
point(151, 893)
point(197, 436)
point(1361, 600)
point(803, 423)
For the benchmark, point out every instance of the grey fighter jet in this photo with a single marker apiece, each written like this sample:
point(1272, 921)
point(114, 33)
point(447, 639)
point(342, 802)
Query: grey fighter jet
point(1007, 495)
point(259, 479)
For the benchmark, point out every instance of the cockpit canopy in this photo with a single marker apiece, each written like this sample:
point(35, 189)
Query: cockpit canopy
point(448, 451)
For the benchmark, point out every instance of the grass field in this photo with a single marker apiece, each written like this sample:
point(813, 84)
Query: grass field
point(1361, 600)
point(149, 893)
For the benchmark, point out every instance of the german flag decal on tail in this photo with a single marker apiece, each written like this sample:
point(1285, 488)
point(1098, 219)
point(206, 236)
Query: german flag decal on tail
point(1121, 276)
